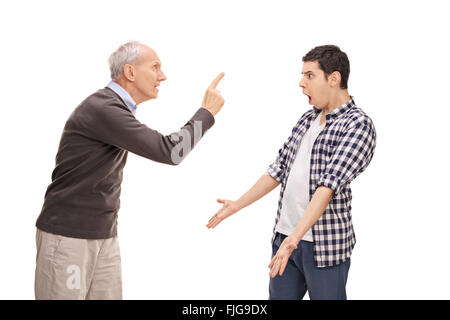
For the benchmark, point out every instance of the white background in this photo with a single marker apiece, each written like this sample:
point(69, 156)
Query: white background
point(54, 54)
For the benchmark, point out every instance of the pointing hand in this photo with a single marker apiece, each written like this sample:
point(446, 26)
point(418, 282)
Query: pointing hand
point(213, 101)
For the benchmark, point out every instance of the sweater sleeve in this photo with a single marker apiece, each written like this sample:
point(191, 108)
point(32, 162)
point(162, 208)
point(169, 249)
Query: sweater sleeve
point(116, 126)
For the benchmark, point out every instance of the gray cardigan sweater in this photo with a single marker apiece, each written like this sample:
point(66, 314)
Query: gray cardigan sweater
point(82, 200)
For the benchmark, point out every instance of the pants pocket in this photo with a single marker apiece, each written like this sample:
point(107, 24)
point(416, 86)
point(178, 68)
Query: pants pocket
point(48, 243)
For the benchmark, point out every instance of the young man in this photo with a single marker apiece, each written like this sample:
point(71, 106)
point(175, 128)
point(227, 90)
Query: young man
point(330, 145)
point(78, 255)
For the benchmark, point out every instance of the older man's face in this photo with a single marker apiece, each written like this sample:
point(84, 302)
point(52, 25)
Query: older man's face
point(148, 74)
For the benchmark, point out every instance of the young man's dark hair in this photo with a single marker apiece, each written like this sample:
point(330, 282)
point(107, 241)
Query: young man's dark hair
point(330, 59)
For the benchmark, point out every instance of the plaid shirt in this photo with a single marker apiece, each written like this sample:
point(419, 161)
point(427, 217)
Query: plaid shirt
point(341, 152)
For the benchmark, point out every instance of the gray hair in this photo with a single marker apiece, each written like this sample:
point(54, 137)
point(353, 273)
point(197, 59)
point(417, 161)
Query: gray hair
point(129, 52)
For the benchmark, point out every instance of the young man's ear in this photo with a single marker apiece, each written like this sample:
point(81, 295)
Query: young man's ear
point(334, 78)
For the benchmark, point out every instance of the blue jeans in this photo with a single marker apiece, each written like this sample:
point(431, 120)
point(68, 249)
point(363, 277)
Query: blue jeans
point(301, 274)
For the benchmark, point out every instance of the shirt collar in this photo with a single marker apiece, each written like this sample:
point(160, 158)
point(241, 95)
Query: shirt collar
point(124, 95)
point(343, 108)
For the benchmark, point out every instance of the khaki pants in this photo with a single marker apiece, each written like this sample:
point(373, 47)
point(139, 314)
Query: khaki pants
point(71, 268)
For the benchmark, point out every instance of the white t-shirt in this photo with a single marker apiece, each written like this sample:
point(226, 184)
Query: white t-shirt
point(296, 195)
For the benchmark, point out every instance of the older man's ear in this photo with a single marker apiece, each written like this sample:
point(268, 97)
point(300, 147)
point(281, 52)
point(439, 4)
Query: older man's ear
point(129, 72)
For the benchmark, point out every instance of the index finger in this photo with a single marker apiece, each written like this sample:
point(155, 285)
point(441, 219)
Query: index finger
point(216, 80)
point(283, 266)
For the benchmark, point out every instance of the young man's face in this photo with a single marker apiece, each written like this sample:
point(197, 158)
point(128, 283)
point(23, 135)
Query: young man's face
point(314, 84)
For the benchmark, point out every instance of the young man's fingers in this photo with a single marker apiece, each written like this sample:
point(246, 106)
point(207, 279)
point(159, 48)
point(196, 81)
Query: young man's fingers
point(272, 261)
point(274, 270)
point(215, 222)
point(283, 266)
point(212, 221)
point(213, 218)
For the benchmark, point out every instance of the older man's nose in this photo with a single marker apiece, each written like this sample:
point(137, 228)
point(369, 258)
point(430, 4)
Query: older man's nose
point(162, 76)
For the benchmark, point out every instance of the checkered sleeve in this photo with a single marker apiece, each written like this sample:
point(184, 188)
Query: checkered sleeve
point(350, 156)
point(278, 167)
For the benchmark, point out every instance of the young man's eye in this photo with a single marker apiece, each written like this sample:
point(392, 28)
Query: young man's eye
point(309, 76)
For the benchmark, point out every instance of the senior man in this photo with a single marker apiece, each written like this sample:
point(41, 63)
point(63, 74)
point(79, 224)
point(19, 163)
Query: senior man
point(78, 255)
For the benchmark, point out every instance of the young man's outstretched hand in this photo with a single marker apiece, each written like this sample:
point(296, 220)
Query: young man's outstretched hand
point(322, 196)
point(229, 207)
point(263, 186)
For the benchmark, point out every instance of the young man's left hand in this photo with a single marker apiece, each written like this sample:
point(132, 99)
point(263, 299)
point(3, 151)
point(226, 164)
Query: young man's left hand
point(279, 261)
